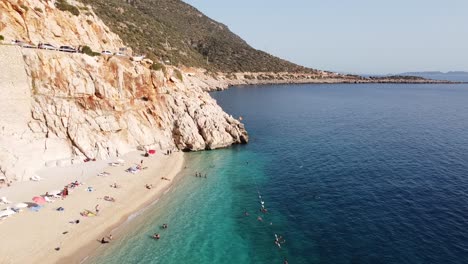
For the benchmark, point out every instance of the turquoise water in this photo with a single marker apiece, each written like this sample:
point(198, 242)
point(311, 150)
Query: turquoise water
point(348, 173)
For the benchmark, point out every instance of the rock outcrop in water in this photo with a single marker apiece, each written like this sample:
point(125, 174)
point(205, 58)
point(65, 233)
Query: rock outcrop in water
point(69, 107)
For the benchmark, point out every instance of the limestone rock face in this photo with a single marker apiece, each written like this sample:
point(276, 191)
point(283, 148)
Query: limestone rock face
point(59, 108)
point(81, 107)
point(38, 21)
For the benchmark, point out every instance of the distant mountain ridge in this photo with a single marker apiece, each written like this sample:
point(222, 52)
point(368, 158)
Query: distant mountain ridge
point(456, 76)
point(175, 32)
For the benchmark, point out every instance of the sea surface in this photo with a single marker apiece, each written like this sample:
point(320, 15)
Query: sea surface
point(372, 173)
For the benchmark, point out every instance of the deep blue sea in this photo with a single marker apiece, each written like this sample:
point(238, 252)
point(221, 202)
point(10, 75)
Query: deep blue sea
point(371, 173)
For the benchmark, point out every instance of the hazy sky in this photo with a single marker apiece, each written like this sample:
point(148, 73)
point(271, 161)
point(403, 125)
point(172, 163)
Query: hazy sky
point(361, 36)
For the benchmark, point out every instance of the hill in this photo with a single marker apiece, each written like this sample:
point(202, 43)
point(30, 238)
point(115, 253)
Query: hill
point(177, 33)
point(454, 76)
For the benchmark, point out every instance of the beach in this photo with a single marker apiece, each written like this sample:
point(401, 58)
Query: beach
point(52, 236)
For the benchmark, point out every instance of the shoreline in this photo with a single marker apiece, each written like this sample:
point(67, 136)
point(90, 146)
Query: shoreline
point(223, 81)
point(92, 249)
point(44, 231)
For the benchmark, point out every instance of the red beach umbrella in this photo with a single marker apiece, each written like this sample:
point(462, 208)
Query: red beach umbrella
point(39, 200)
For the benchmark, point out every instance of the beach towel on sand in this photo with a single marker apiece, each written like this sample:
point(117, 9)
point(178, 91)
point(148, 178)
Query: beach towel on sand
point(36, 208)
point(88, 213)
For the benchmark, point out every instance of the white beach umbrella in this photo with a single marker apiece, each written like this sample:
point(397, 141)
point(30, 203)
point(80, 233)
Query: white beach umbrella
point(20, 205)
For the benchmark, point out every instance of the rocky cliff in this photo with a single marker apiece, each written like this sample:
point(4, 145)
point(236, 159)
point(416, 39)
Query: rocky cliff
point(69, 107)
point(38, 21)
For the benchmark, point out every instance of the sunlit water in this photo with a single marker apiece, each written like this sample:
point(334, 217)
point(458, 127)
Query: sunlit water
point(349, 174)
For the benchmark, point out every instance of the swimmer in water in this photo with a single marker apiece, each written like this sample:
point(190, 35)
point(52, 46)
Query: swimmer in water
point(156, 236)
point(260, 219)
point(277, 243)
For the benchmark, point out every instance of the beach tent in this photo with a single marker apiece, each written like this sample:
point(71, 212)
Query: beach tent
point(39, 200)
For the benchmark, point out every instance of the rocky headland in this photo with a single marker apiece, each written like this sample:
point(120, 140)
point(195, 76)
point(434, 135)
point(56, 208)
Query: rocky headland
point(62, 108)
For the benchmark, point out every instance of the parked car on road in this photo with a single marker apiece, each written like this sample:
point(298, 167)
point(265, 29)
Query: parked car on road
point(47, 46)
point(106, 52)
point(67, 49)
point(23, 44)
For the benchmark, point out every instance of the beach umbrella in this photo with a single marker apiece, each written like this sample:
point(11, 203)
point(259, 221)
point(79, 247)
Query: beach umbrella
point(39, 200)
point(20, 205)
point(6, 212)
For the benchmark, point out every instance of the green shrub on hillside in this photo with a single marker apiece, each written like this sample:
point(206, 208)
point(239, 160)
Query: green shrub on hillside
point(158, 67)
point(25, 8)
point(63, 5)
point(2, 38)
point(178, 75)
point(231, 76)
point(174, 31)
point(38, 9)
point(88, 51)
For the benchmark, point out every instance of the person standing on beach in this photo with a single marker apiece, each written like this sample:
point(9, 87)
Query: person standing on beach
point(97, 209)
point(65, 192)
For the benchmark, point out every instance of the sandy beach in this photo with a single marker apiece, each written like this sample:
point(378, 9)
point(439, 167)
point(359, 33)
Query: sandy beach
point(51, 236)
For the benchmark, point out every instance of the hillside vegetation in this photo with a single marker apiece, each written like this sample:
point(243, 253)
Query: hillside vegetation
point(171, 30)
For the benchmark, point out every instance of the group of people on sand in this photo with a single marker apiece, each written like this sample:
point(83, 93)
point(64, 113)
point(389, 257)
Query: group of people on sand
point(150, 186)
point(115, 185)
point(199, 175)
point(71, 185)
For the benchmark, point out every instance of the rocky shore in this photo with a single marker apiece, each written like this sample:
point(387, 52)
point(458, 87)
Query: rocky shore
point(222, 81)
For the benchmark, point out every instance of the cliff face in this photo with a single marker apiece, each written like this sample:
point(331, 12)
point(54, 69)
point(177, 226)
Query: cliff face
point(99, 104)
point(40, 21)
point(68, 107)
